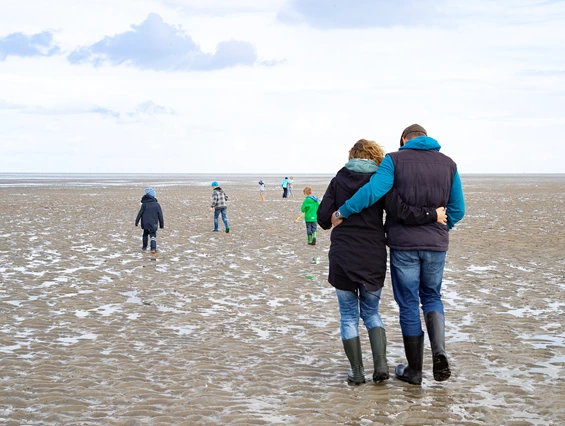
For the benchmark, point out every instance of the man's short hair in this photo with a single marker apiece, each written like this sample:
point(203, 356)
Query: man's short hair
point(412, 131)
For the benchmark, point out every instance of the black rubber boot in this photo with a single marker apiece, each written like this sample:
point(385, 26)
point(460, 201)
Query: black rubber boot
point(352, 348)
point(377, 337)
point(435, 323)
point(414, 349)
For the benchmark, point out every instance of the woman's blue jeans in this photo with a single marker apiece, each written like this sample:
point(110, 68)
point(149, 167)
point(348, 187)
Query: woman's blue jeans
point(217, 212)
point(416, 278)
point(351, 307)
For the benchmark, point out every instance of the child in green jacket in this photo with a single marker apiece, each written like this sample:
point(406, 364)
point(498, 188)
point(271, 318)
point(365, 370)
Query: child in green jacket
point(310, 210)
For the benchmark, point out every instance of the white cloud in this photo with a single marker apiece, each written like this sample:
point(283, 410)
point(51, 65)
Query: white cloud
point(159, 46)
point(18, 44)
point(362, 13)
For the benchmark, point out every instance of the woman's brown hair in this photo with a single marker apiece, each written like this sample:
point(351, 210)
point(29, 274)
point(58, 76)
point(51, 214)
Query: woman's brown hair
point(369, 150)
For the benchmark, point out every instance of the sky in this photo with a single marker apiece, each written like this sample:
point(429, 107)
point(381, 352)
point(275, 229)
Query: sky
point(278, 86)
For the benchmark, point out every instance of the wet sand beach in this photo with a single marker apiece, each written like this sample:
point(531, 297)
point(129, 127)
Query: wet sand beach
point(227, 328)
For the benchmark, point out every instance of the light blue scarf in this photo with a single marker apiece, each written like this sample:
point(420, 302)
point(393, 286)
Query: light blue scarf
point(361, 165)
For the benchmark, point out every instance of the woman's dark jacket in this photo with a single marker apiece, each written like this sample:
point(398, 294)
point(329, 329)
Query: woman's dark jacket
point(150, 214)
point(358, 245)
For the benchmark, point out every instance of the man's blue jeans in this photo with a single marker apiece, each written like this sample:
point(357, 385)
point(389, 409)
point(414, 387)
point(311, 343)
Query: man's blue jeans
point(416, 278)
point(351, 307)
point(217, 212)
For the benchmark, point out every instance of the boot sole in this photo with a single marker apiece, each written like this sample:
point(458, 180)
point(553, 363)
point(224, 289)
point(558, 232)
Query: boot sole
point(399, 374)
point(441, 369)
point(381, 377)
point(356, 383)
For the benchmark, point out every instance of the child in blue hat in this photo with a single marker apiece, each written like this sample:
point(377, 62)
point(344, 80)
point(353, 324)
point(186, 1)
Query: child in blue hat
point(219, 206)
point(150, 215)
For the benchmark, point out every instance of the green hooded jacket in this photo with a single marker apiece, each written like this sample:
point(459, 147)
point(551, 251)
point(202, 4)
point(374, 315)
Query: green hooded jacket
point(310, 208)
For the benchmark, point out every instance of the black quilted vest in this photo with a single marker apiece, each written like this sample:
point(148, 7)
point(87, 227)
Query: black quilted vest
point(422, 178)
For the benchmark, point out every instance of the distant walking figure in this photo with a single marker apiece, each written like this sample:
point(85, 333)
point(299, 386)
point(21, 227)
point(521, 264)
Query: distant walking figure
point(290, 186)
point(262, 189)
point(150, 215)
point(310, 209)
point(284, 185)
point(219, 206)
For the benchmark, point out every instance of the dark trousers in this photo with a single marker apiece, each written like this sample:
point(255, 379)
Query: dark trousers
point(285, 192)
point(146, 235)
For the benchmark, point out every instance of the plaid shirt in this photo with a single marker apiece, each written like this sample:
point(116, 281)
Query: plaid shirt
point(219, 198)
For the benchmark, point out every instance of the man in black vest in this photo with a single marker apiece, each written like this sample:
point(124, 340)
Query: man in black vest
point(423, 177)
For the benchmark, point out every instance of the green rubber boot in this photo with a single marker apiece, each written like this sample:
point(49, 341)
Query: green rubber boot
point(352, 348)
point(377, 337)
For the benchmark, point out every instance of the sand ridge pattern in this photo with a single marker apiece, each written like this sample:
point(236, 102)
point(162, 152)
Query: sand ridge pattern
point(226, 328)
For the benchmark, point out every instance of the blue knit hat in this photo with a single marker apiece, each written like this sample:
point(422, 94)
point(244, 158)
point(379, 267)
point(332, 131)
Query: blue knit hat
point(150, 192)
point(215, 183)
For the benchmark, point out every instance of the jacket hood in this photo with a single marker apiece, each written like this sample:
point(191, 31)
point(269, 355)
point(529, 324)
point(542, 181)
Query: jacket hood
point(361, 165)
point(148, 199)
point(217, 188)
point(351, 180)
point(316, 199)
point(423, 143)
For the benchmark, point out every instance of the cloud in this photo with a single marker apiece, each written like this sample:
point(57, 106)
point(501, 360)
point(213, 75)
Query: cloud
point(9, 105)
point(19, 44)
point(543, 73)
point(156, 45)
point(143, 110)
point(347, 14)
point(98, 110)
point(223, 7)
point(150, 108)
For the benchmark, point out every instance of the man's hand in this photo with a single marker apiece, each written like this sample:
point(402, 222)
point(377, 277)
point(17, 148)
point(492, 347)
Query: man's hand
point(335, 220)
point(211, 209)
point(441, 215)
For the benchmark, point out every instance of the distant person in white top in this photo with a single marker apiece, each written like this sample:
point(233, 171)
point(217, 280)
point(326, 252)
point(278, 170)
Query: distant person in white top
point(290, 183)
point(262, 189)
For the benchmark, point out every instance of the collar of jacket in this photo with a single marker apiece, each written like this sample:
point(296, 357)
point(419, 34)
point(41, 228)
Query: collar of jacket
point(361, 165)
point(423, 143)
